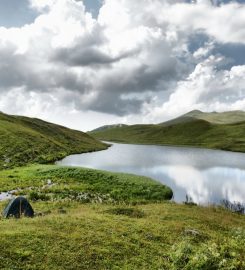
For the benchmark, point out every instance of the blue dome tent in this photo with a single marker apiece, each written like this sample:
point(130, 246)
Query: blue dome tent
point(18, 207)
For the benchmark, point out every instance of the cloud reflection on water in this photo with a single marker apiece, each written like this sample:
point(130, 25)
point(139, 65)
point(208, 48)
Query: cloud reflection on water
point(207, 176)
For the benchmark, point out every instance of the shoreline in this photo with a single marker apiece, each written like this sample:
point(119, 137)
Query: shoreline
point(175, 145)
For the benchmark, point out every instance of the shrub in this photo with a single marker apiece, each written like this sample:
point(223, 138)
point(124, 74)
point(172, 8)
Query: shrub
point(130, 212)
point(35, 196)
point(210, 255)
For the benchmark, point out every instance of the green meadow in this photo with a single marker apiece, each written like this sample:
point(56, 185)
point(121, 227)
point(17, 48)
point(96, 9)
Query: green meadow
point(91, 219)
point(88, 219)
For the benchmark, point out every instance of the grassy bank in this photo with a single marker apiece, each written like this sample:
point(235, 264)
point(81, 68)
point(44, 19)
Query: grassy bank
point(29, 140)
point(84, 185)
point(89, 219)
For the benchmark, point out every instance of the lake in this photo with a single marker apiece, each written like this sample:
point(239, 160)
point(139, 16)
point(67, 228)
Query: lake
point(207, 176)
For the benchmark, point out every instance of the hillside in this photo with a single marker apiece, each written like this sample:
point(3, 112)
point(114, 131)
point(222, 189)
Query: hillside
point(229, 117)
point(188, 130)
point(30, 140)
point(109, 127)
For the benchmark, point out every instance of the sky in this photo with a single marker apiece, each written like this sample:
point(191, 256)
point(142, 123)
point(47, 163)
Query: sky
point(89, 63)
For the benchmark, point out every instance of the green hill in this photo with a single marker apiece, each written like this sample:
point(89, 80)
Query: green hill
point(229, 117)
point(109, 127)
point(30, 140)
point(217, 131)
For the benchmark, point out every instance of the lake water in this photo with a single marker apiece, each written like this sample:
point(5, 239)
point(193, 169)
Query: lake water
point(207, 176)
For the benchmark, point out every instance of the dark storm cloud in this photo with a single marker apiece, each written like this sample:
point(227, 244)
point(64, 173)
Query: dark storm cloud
point(89, 56)
point(111, 77)
point(111, 103)
point(17, 70)
point(10, 72)
point(86, 51)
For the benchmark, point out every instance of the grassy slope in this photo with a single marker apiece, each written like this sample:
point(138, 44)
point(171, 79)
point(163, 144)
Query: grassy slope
point(25, 140)
point(95, 237)
point(113, 235)
point(73, 182)
point(229, 117)
point(189, 132)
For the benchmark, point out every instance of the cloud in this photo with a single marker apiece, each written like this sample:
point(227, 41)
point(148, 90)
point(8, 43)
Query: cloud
point(132, 60)
point(40, 5)
point(212, 20)
point(207, 88)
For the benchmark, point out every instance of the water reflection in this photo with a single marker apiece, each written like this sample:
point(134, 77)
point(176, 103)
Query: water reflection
point(207, 176)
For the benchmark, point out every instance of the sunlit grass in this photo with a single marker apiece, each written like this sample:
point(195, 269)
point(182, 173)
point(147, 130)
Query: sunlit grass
point(99, 236)
point(123, 230)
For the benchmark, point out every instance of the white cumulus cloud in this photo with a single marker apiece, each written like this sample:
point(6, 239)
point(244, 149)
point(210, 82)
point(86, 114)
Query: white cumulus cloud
point(136, 59)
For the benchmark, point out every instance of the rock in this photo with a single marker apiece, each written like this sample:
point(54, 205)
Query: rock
point(49, 182)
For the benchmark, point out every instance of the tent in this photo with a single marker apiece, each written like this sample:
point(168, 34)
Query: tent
point(18, 207)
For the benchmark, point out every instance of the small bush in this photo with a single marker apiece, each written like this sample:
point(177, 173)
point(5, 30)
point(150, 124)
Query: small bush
point(209, 255)
point(130, 212)
point(235, 207)
point(62, 211)
point(35, 196)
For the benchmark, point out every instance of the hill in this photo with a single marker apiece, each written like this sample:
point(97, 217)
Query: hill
point(109, 127)
point(229, 117)
point(223, 131)
point(30, 140)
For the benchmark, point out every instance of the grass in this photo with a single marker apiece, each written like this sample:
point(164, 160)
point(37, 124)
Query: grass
point(194, 132)
point(28, 140)
point(95, 236)
point(89, 219)
point(83, 185)
point(228, 117)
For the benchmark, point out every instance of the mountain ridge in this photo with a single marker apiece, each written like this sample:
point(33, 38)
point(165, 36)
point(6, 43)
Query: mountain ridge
point(225, 131)
point(227, 117)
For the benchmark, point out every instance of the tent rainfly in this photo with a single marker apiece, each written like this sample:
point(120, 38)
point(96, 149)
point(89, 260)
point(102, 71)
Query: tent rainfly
point(18, 207)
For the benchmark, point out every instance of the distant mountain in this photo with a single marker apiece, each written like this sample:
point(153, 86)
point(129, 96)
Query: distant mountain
point(30, 140)
point(210, 130)
point(108, 127)
point(212, 117)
